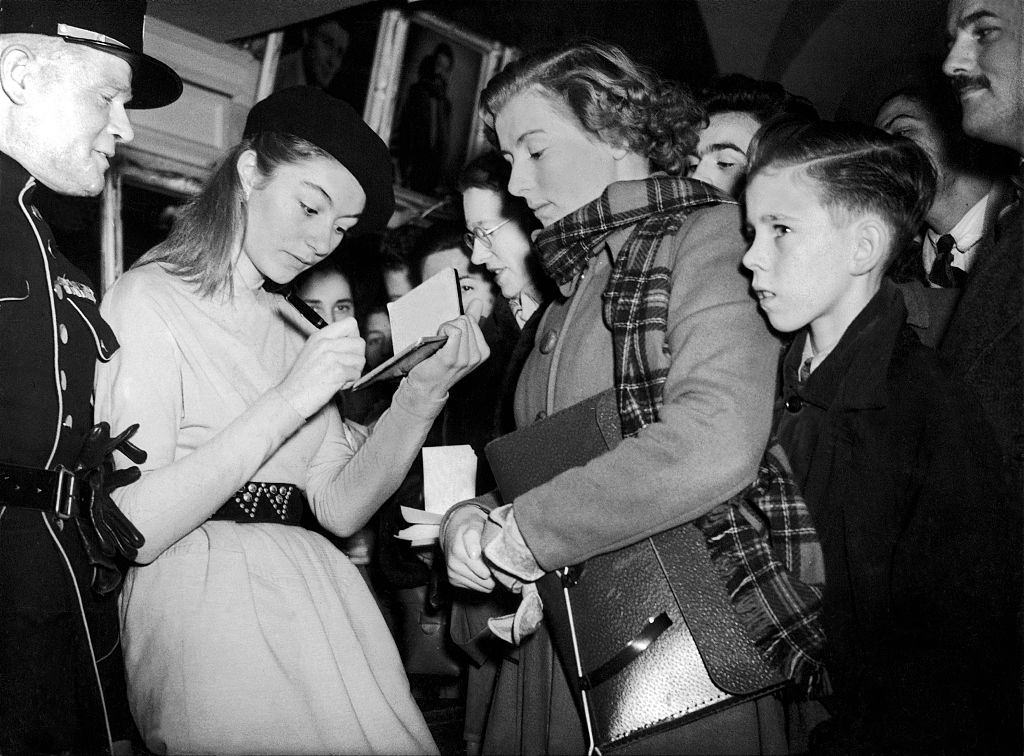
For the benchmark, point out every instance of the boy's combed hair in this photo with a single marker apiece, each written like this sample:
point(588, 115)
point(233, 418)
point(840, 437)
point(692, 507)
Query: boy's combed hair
point(611, 95)
point(857, 168)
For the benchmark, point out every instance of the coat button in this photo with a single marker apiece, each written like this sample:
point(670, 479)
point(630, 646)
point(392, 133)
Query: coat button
point(63, 381)
point(58, 290)
point(63, 334)
point(794, 403)
point(541, 415)
point(547, 344)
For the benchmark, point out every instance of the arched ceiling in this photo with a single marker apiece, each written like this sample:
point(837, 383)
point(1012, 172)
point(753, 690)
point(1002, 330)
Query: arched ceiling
point(838, 53)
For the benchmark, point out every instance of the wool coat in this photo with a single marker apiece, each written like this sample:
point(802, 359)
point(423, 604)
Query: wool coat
point(921, 542)
point(711, 433)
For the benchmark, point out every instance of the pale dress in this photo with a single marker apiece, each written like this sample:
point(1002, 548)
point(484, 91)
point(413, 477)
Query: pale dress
point(251, 638)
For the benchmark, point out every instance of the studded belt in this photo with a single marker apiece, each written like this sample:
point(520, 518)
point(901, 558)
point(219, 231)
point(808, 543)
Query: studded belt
point(256, 501)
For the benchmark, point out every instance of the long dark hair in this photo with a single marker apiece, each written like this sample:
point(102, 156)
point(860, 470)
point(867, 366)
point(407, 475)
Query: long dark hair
point(211, 227)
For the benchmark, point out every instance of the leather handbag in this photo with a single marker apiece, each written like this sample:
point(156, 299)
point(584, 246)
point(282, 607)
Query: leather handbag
point(425, 643)
point(646, 634)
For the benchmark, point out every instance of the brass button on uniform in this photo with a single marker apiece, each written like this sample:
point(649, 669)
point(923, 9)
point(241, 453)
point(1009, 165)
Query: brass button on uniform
point(63, 334)
point(58, 290)
point(547, 344)
point(63, 381)
point(68, 422)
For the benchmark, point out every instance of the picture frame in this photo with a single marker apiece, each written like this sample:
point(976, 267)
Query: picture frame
point(333, 52)
point(424, 96)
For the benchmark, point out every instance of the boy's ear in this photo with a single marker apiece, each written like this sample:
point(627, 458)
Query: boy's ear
point(871, 240)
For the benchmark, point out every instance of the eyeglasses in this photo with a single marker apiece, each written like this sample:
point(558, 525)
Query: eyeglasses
point(483, 234)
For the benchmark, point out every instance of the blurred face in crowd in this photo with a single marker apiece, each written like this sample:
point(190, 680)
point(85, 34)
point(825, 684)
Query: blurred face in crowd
point(986, 65)
point(797, 254)
point(397, 283)
point(329, 294)
point(298, 215)
point(69, 115)
point(378, 338)
point(722, 151)
point(323, 52)
point(472, 283)
point(506, 249)
point(557, 165)
point(908, 117)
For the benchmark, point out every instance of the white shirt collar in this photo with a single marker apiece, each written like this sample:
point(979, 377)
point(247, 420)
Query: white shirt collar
point(966, 234)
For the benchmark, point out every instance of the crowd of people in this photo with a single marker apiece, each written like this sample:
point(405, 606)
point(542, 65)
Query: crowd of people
point(742, 279)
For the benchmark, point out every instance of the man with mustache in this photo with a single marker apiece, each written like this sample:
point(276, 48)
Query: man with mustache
point(983, 342)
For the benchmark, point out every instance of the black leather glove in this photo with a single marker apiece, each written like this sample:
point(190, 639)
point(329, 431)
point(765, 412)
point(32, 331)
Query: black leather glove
point(105, 531)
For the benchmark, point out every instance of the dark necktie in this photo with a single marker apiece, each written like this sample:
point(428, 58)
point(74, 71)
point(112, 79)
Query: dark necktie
point(943, 273)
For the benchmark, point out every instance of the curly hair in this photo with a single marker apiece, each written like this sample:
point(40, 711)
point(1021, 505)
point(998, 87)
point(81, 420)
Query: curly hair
point(762, 100)
point(855, 168)
point(612, 97)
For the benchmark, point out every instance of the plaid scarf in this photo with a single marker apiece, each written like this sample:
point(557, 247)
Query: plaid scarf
point(759, 540)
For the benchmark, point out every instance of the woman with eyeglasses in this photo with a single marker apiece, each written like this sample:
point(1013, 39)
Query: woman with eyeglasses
point(498, 235)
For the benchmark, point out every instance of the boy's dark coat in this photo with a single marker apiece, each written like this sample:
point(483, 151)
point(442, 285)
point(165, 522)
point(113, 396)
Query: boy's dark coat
point(922, 551)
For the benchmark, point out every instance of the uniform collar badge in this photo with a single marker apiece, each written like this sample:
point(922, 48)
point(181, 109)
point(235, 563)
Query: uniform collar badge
point(76, 289)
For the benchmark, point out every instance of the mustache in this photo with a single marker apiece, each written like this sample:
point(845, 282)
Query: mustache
point(963, 81)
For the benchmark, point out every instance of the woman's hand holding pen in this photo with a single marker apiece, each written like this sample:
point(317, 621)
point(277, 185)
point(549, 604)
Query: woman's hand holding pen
point(331, 360)
point(461, 354)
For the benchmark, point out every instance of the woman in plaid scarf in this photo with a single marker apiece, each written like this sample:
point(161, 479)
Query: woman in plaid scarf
point(653, 305)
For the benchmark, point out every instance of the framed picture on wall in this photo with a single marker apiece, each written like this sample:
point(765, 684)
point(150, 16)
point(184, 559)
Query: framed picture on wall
point(424, 96)
point(334, 52)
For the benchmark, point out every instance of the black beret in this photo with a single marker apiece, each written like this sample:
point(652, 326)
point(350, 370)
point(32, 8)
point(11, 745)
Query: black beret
point(113, 26)
point(336, 128)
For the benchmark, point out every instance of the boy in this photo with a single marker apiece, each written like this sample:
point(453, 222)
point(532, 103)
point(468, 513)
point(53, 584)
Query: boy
point(921, 541)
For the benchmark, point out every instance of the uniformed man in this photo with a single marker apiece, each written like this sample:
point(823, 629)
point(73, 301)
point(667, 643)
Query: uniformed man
point(68, 70)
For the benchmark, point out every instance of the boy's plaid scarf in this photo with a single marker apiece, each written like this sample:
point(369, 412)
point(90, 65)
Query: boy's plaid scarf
point(757, 538)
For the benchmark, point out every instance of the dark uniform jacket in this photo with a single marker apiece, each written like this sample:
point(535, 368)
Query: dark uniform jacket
point(921, 543)
point(51, 335)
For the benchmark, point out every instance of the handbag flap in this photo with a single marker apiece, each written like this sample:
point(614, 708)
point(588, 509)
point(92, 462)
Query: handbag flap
point(728, 652)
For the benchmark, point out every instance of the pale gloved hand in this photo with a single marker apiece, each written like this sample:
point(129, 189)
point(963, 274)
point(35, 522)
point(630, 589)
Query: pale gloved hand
point(514, 628)
point(512, 563)
point(514, 566)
